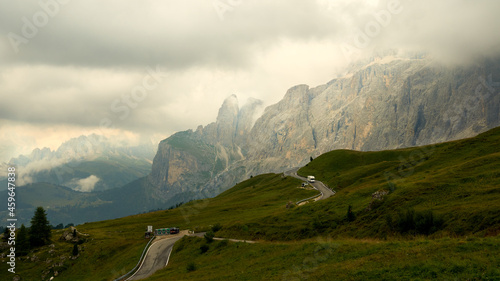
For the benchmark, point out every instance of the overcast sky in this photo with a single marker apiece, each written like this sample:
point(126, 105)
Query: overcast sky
point(146, 69)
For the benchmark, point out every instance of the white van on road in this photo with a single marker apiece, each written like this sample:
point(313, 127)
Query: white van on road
point(310, 179)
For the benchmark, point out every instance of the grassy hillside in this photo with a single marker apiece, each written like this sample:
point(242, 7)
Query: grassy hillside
point(458, 181)
point(435, 214)
point(117, 244)
point(332, 259)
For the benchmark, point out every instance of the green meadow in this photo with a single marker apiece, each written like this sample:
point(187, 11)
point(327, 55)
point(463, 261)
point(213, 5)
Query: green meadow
point(419, 213)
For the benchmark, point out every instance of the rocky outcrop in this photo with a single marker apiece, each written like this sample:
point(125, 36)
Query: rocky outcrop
point(71, 235)
point(247, 116)
point(189, 161)
point(387, 103)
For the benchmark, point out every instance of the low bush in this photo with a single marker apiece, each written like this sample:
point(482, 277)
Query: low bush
point(204, 248)
point(191, 267)
point(216, 227)
point(424, 222)
point(209, 236)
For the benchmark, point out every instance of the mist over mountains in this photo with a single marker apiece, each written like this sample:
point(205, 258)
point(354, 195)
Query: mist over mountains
point(87, 163)
point(389, 102)
point(386, 103)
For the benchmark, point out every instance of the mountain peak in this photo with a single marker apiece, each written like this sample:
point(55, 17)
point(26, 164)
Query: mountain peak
point(229, 110)
point(231, 102)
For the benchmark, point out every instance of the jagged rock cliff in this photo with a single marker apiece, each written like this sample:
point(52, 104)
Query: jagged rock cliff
point(189, 161)
point(387, 103)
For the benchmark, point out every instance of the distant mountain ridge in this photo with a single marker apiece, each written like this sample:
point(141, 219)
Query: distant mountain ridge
point(86, 163)
point(388, 103)
point(391, 102)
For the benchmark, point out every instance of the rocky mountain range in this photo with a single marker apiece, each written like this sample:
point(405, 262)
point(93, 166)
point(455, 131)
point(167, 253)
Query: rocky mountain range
point(388, 102)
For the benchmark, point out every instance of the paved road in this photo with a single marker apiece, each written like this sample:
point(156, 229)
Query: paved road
point(236, 240)
point(325, 191)
point(201, 234)
point(156, 257)
point(159, 253)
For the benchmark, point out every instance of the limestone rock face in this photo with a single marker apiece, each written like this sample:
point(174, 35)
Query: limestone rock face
point(189, 161)
point(246, 119)
point(388, 103)
point(227, 120)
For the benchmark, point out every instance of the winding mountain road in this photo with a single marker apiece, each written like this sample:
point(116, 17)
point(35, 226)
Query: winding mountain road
point(325, 191)
point(157, 256)
point(158, 253)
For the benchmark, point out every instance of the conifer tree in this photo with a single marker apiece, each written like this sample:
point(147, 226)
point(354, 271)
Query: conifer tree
point(39, 233)
point(75, 250)
point(22, 241)
point(6, 234)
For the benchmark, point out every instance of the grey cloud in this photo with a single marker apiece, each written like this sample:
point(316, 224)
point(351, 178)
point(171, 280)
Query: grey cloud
point(91, 53)
point(176, 34)
point(182, 34)
point(450, 30)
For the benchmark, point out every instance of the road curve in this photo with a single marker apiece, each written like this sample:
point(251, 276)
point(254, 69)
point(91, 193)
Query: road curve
point(156, 257)
point(325, 191)
point(159, 252)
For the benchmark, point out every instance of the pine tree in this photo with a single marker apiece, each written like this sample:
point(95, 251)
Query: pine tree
point(350, 214)
point(22, 241)
point(75, 250)
point(6, 234)
point(39, 232)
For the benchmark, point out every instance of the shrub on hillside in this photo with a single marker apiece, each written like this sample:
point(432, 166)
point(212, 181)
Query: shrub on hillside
point(216, 227)
point(424, 222)
point(75, 250)
point(350, 216)
point(209, 236)
point(406, 221)
point(204, 248)
point(191, 267)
